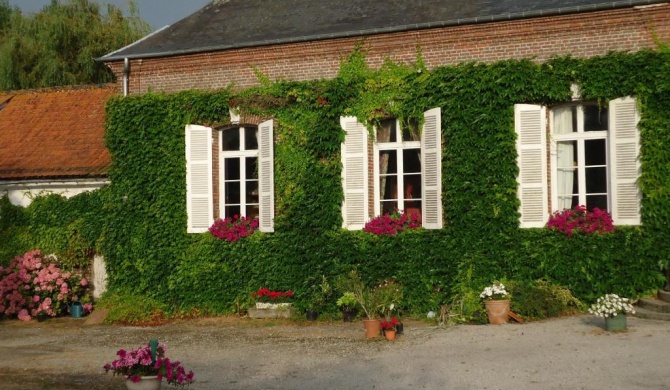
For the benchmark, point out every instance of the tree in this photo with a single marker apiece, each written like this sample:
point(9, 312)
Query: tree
point(58, 45)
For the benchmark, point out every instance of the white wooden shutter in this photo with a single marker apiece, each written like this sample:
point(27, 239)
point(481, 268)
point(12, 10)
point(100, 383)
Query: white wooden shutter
point(431, 169)
point(354, 173)
point(530, 123)
point(266, 176)
point(624, 148)
point(199, 196)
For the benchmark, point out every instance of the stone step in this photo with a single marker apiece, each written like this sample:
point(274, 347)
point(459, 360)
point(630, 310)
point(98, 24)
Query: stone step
point(654, 305)
point(641, 312)
point(664, 295)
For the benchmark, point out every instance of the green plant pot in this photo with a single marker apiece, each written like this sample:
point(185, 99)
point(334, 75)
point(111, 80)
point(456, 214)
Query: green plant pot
point(617, 323)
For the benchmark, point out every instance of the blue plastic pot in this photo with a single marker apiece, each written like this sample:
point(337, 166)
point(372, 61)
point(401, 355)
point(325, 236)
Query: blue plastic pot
point(76, 309)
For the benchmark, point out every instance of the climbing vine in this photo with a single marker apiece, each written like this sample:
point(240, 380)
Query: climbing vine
point(144, 240)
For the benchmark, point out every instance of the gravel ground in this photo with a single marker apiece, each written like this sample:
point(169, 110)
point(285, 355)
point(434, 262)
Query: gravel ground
point(241, 353)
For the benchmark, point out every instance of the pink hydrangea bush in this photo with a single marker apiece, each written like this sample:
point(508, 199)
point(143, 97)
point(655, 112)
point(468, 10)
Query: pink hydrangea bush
point(233, 228)
point(579, 220)
point(137, 363)
point(34, 284)
point(392, 223)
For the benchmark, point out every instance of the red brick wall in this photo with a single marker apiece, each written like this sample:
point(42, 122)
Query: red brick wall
point(582, 35)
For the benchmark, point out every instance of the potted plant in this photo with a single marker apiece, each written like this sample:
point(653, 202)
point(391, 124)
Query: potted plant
point(268, 299)
point(390, 328)
point(319, 295)
point(496, 300)
point(613, 309)
point(348, 306)
point(366, 298)
point(148, 365)
point(389, 293)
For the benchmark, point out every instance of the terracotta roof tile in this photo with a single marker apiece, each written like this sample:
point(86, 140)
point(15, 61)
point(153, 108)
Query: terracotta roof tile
point(54, 133)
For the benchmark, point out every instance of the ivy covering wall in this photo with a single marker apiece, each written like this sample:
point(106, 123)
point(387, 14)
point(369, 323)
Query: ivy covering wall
point(148, 251)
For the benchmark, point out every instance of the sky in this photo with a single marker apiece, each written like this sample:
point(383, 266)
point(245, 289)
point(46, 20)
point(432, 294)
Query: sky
point(157, 13)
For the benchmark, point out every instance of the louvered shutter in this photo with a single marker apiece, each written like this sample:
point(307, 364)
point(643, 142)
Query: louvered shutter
point(431, 169)
point(530, 125)
point(266, 178)
point(199, 197)
point(354, 173)
point(624, 148)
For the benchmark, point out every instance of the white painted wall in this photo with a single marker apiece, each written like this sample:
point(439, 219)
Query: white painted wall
point(21, 193)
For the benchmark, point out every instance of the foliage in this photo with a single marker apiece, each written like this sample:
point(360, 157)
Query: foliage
point(579, 220)
point(611, 305)
point(58, 45)
point(539, 299)
point(162, 270)
point(392, 223)
point(320, 294)
point(34, 284)
point(139, 362)
point(127, 308)
point(233, 228)
point(366, 297)
point(347, 301)
point(389, 293)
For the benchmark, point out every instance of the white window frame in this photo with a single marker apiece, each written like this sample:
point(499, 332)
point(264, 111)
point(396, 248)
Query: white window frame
point(399, 147)
point(580, 136)
point(242, 155)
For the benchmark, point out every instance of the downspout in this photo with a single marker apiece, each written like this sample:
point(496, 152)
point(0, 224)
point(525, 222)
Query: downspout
point(126, 73)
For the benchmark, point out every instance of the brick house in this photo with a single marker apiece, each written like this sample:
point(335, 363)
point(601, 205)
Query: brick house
point(51, 140)
point(225, 42)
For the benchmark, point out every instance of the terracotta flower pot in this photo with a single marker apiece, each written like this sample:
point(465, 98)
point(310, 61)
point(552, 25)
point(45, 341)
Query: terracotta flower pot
point(497, 311)
point(390, 334)
point(373, 328)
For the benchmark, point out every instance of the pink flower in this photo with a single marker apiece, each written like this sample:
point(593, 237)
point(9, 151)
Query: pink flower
point(36, 298)
point(84, 282)
point(23, 315)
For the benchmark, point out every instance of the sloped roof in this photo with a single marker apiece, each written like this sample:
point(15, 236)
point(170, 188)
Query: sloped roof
point(55, 133)
point(226, 24)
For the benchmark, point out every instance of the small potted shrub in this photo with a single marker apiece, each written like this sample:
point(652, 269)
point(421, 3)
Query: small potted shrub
point(613, 309)
point(320, 294)
point(390, 328)
point(367, 299)
point(148, 365)
point(497, 301)
point(348, 306)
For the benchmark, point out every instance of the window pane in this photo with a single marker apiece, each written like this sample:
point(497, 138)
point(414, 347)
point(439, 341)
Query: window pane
point(596, 180)
point(594, 151)
point(252, 191)
point(388, 163)
point(386, 131)
point(412, 187)
point(232, 192)
point(567, 174)
point(232, 168)
point(411, 160)
point(252, 212)
point(599, 201)
point(250, 138)
point(252, 168)
point(389, 207)
point(411, 132)
point(564, 120)
point(388, 186)
point(595, 118)
point(232, 211)
point(230, 139)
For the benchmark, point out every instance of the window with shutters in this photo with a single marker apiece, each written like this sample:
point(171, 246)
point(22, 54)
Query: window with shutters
point(405, 173)
point(592, 160)
point(245, 175)
point(397, 162)
point(238, 177)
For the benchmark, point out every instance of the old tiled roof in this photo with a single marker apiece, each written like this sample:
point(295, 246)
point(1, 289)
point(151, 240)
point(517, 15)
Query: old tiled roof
point(54, 134)
point(226, 24)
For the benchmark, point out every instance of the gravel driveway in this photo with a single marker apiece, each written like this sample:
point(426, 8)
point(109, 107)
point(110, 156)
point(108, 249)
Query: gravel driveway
point(241, 353)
